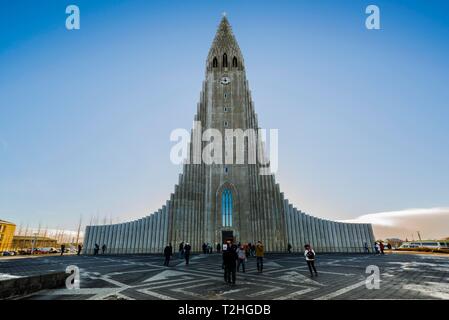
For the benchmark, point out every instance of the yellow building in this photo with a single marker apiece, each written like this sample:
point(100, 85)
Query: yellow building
point(28, 242)
point(7, 230)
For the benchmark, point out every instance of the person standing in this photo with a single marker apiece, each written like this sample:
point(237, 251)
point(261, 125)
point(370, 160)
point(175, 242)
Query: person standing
point(259, 256)
point(289, 248)
point(103, 248)
point(181, 250)
point(241, 258)
point(229, 260)
point(187, 249)
point(168, 252)
point(218, 248)
point(62, 249)
point(80, 247)
point(204, 247)
point(309, 253)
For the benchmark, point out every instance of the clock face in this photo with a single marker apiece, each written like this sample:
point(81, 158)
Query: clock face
point(225, 80)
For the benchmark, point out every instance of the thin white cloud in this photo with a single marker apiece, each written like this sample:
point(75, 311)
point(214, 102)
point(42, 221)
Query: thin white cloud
point(431, 223)
point(390, 218)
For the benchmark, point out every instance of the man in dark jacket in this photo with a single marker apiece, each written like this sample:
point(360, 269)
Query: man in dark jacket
point(229, 263)
point(168, 252)
point(187, 249)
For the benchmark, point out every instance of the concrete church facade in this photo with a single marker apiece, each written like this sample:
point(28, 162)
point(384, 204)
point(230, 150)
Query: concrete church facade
point(215, 202)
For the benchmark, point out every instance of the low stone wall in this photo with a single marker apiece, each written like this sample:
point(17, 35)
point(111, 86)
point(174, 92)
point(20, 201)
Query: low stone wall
point(17, 287)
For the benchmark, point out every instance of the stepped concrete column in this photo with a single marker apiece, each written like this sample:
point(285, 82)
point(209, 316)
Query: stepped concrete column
point(302, 231)
point(87, 236)
point(125, 237)
point(295, 229)
point(158, 231)
point(153, 232)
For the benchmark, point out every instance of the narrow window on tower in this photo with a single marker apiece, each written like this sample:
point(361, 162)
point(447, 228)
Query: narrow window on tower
point(226, 124)
point(234, 62)
point(225, 60)
point(215, 63)
point(226, 208)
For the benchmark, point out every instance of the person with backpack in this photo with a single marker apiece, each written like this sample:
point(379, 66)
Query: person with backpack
point(309, 253)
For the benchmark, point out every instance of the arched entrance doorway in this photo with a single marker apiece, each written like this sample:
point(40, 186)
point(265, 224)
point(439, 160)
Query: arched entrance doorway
point(227, 218)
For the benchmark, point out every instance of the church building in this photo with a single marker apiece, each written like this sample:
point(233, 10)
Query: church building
point(214, 202)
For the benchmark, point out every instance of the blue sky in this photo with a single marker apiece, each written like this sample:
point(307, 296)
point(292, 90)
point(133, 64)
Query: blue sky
point(85, 116)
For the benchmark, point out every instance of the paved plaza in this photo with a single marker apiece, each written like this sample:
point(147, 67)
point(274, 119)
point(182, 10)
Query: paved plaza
point(402, 276)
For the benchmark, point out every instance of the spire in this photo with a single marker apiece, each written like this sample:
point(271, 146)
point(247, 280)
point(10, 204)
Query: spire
point(225, 43)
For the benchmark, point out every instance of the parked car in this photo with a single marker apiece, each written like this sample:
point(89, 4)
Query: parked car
point(45, 250)
point(7, 253)
point(24, 251)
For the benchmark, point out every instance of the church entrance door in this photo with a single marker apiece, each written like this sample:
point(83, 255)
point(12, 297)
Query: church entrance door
point(227, 235)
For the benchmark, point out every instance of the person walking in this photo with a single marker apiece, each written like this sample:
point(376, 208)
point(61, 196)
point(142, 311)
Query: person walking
point(103, 249)
point(96, 249)
point(229, 260)
point(80, 247)
point(366, 248)
point(241, 258)
point(218, 248)
point(259, 256)
point(381, 247)
point(309, 253)
point(62, 249)
point(289, 248)
point(187, 249)
point(168, 252)
point(376, 247)
point(204, 248)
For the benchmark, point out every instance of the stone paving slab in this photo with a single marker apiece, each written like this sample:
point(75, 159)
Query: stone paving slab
point(285, 277)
